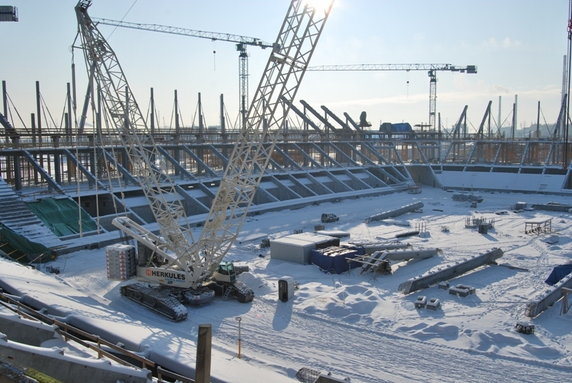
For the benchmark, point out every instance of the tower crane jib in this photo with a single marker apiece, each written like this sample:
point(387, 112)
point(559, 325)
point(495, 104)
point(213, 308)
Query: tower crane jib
point(431, 69)
point(241, 43)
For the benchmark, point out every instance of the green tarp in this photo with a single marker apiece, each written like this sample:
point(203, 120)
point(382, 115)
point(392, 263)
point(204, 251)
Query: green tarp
point(62, 216)
point(21, 249)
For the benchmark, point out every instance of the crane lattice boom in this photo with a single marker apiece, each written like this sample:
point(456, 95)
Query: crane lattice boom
point(128, 120)
point(282, 76)
point(281, 79)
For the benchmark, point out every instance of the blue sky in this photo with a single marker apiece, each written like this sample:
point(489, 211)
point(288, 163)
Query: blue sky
point(517, 45)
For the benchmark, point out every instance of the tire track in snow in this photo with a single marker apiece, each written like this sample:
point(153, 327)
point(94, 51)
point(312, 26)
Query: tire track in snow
point(367, 355)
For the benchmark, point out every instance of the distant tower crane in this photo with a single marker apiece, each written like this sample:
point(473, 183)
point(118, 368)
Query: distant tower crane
point(430, 68)
point(241, 43)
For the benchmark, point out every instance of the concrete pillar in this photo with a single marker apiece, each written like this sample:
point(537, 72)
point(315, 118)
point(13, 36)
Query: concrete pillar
point(203, 364)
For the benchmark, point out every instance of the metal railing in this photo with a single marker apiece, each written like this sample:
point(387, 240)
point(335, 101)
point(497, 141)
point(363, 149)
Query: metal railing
point(91, 341)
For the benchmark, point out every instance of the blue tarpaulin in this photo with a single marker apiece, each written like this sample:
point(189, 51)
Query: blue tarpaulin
point(401, 127)
point(558, 273)
point(334, 259)
point(396, 128)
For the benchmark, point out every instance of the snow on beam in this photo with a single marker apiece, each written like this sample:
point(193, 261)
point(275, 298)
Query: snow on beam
point(403, 255)
point(449, 272)
point(549, 297)
point(396, 212)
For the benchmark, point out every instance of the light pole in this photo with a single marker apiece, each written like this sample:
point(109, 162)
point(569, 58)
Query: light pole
point(238, 319)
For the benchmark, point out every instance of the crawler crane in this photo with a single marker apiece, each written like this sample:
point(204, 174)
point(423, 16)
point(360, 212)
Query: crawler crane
point(172, 267)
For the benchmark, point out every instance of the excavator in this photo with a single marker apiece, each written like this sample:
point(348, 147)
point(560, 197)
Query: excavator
point(172, 268)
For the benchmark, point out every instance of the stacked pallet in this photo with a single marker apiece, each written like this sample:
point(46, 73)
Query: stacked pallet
point(121, 263)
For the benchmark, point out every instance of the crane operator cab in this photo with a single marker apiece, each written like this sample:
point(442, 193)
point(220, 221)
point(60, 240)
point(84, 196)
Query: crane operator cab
point(225, 272)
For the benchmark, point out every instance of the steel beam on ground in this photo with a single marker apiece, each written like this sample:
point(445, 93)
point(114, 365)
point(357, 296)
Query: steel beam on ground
point(396, 212)
point(455, 270)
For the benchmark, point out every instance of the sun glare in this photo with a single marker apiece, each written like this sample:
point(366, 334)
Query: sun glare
point(318, 5)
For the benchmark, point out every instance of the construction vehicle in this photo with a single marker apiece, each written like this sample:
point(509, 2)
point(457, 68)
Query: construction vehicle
point(173, 268)
point(329, 217)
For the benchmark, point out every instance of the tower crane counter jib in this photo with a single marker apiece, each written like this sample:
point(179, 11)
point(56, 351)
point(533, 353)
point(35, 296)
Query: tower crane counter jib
point(175, 268)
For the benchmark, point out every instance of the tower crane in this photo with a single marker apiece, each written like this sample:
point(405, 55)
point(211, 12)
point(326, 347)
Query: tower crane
point(175, 268)
point(241, 43)
point(431, 69)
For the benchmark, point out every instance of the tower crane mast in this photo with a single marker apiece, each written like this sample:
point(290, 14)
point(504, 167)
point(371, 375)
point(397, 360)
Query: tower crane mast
point(241, 43)
point(179, 267)
point(431, 69)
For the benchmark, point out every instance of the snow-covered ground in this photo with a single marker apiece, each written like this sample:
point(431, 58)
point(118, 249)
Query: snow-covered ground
point(356, 325)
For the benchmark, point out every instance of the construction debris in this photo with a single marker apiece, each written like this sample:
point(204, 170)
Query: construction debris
point(461, 290)
point(443, 285)
point(264, 243)
point(374, 262)
point(478, 222)
point(519, 206)
point(524, 328)
point(431, 304)
point(407, 234)
point(538, 227)
point(309, 375)
point(434, 304)
point(553, 206)
point(462, 197)
point(421, 302)
point(379, 261)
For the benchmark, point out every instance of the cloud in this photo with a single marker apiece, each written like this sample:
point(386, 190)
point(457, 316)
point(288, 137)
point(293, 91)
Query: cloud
point(503, 43)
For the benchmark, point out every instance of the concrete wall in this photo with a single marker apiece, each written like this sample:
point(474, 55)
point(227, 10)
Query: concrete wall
point(25, 331)
point(546, 183)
